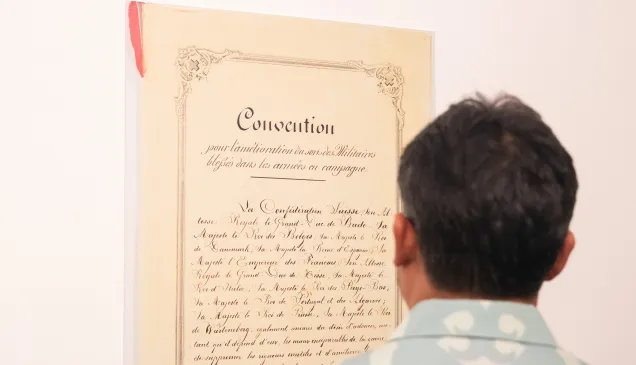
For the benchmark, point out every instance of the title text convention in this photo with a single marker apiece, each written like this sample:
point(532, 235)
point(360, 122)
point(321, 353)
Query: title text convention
point(245, 123)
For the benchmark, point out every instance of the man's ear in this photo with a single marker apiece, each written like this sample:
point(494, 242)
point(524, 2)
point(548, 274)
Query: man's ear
point(562, 257)
point(405, 241)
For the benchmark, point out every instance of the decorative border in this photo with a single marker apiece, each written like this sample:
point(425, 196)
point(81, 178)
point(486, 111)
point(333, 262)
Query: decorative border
point(193, 64)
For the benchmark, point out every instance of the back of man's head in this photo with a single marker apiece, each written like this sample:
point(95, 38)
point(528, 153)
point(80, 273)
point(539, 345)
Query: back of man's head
point(489, 191)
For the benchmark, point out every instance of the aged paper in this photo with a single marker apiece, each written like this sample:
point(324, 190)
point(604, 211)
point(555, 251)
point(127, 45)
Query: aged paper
point(268, 158)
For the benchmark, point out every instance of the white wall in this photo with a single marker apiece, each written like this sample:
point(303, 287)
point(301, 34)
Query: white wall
point(62, 154)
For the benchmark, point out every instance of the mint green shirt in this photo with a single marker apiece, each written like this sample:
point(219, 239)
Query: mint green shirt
point(469, 332)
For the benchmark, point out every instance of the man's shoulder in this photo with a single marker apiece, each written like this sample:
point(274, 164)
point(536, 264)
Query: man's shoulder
point(443, 332)
point(407, 352)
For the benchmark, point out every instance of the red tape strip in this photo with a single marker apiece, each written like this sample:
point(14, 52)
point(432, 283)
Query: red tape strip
point(134, 24)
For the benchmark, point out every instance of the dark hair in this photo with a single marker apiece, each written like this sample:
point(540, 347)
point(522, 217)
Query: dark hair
point(490, 191)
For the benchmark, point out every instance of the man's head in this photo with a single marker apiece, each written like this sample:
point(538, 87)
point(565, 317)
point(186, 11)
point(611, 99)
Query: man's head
point(488, 193)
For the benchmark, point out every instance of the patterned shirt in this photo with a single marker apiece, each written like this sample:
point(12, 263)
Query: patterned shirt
point(469, 332)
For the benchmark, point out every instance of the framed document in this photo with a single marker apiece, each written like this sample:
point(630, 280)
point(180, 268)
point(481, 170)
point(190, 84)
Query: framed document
point(268, 155)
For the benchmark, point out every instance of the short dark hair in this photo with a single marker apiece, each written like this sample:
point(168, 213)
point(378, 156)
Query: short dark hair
point(490, 191)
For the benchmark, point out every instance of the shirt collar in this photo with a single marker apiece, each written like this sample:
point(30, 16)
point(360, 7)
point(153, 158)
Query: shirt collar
point(494, 320)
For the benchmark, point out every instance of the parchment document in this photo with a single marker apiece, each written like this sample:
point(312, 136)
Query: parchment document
point(268, 160)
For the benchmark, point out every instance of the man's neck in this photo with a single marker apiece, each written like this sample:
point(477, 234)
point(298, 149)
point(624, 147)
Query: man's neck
point(444, 295)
